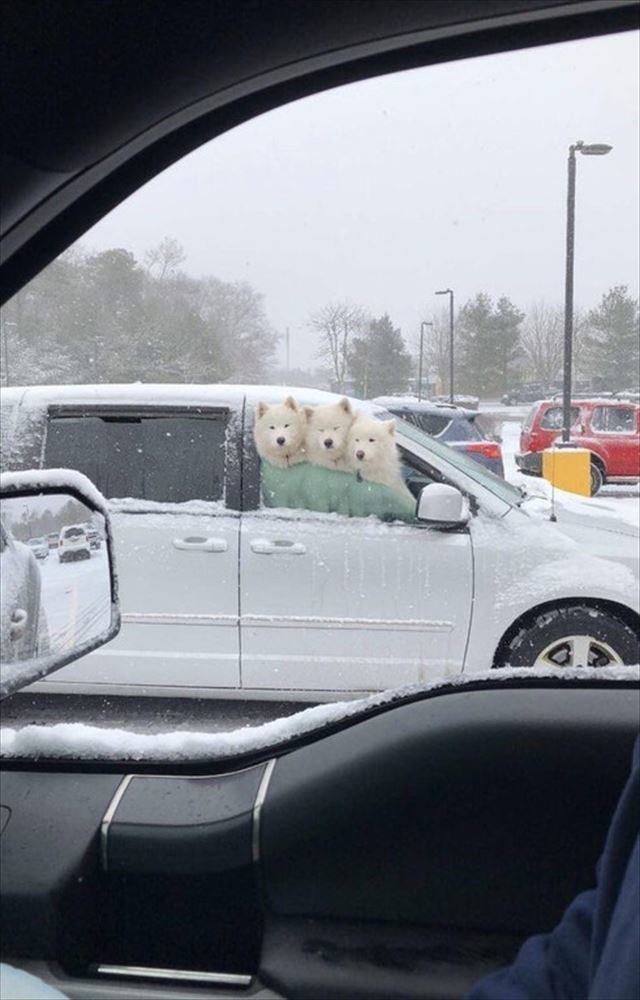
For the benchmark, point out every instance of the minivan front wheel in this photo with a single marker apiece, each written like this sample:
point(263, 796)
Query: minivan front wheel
point(574, 636)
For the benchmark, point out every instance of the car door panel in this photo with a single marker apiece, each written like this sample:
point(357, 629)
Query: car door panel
point(360, 606)
point(174, 475)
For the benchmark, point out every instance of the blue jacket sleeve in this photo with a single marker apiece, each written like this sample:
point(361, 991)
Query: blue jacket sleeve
point(549, 966)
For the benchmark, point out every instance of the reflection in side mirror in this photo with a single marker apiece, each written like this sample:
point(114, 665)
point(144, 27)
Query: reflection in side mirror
point(443, 505)
point(58, 597)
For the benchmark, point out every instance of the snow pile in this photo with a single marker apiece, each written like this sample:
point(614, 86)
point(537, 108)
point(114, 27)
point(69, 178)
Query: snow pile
point(80, 741)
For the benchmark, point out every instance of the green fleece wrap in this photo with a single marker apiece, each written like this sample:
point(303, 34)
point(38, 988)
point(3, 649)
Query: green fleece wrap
point(311, 487)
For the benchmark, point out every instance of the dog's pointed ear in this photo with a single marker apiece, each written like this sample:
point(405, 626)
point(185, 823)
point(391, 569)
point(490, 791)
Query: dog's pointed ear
point(261, 409)
point(291, 403)
point(346, 405)
point(391, 427)
point(308, 412)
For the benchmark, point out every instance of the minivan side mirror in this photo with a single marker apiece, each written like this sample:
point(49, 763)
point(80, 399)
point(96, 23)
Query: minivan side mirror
point(58, 585)
point(443, 506)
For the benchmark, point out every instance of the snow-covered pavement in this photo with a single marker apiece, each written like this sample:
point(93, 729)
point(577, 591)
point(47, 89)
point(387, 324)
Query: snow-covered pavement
point(76, 598)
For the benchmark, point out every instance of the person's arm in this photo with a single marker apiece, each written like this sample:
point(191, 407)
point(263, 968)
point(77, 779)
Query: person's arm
point(549, 966)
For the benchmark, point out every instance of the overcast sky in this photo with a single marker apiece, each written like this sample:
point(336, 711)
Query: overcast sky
point(384, 191)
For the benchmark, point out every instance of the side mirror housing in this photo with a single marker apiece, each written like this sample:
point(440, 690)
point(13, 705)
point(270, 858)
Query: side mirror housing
point(58, 584)
point(442, 506)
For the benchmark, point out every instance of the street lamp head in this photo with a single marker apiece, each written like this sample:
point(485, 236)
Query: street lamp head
point(445, 291)
point(594, 148)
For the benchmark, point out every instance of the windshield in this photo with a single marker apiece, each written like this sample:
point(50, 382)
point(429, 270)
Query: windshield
point(489, 480)
point(212, 355)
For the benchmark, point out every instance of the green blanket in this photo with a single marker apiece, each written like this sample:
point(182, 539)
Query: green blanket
point(311, 487)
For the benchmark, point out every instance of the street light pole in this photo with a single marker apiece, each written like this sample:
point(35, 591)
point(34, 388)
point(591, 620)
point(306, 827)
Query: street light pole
point(422, 326)
point(593, 149)
point(449, 292)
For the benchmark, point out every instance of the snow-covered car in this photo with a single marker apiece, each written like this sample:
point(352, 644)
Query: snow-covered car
point(53, 539)
point(73, 544)
point(93, 535)
point(257, 602)
point(39, 547)
point(21, 618)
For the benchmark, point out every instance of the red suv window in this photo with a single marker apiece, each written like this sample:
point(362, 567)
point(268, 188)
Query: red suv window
point(552, 419)
point(614, 420)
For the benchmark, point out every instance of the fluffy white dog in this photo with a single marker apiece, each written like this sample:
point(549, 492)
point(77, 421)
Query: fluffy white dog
point(279, 432)
point(327, 433)
point(372, 453)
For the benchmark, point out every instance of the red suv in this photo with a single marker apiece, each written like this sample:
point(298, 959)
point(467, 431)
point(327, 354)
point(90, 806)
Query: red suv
point(609, 428)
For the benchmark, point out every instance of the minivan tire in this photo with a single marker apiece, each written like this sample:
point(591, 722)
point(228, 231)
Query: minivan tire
point(549, 639)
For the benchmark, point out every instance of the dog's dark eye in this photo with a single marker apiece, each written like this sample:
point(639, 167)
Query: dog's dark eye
point(336, 428)
point(372, 440)
point(286, 425)
point(357, 440)
point(272, 428)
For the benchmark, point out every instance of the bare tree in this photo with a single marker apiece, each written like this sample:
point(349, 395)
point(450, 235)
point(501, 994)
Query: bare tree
point(435, 356)
point(167, 257)
point(542, 341)
point(336, 324)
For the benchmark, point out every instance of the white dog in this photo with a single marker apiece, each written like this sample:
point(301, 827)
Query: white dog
point(372, 453)
point(279, 432)
point(327, 432)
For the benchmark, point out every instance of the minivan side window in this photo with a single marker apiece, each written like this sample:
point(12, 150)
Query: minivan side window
point(168, 458)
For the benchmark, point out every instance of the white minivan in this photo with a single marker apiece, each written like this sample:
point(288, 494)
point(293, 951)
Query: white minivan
point(224, 596)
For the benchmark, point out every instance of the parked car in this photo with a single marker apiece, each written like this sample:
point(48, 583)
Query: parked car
point(74, 544)
point(39, 547)
point(93, 535)
point(528, 392)
point(469, 402)
point(460, 428)
point(239, 586)
point(610, 429)
point(53, 539)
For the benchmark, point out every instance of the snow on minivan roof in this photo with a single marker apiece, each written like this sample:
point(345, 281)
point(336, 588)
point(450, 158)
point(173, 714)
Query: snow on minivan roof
point(131, 394)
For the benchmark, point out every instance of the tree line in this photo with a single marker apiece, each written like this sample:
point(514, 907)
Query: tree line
point(108, 317)
point(496, 345)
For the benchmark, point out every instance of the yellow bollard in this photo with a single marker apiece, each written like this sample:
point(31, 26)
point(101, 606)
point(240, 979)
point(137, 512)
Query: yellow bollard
point(568, 469)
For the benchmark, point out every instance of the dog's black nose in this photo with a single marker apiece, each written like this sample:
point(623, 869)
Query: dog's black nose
point(360, 455)
point(280, 440)
point(328, 442)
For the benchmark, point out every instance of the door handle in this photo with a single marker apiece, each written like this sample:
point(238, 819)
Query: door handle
point(196, 543)
point(18, 625)
point(277, 547)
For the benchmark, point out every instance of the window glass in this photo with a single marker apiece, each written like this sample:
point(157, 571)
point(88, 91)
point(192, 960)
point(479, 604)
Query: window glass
point(431, 423)
point(461, 430)
point(552, 420)
point(165, 459)
point(614, 420)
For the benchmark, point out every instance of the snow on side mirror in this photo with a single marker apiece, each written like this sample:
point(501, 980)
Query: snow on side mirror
point(58, 586)
point(442, 505)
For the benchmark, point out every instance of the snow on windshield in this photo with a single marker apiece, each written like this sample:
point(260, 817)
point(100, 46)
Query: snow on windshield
point(80, 741)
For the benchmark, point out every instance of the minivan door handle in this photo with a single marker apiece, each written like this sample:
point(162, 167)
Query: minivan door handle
point(196, 543)
point(277, 547)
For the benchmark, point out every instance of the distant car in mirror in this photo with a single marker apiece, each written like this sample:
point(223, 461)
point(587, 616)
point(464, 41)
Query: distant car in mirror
point(52, 614)
point(73, 544)
point(53, 539)
point(39, 547)
point(93, 536)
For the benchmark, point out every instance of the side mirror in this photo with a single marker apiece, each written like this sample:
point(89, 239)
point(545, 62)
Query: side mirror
point(442, 505)
point(58, 586)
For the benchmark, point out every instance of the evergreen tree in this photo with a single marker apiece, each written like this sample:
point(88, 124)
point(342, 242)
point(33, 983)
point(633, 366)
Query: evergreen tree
point(379, 362)
point(612, 339)
point(487, 345)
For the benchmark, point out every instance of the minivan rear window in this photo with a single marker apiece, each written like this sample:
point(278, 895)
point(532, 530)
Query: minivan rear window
point(169, 458)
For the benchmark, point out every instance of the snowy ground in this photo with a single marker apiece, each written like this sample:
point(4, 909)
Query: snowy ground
point(76, 598)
